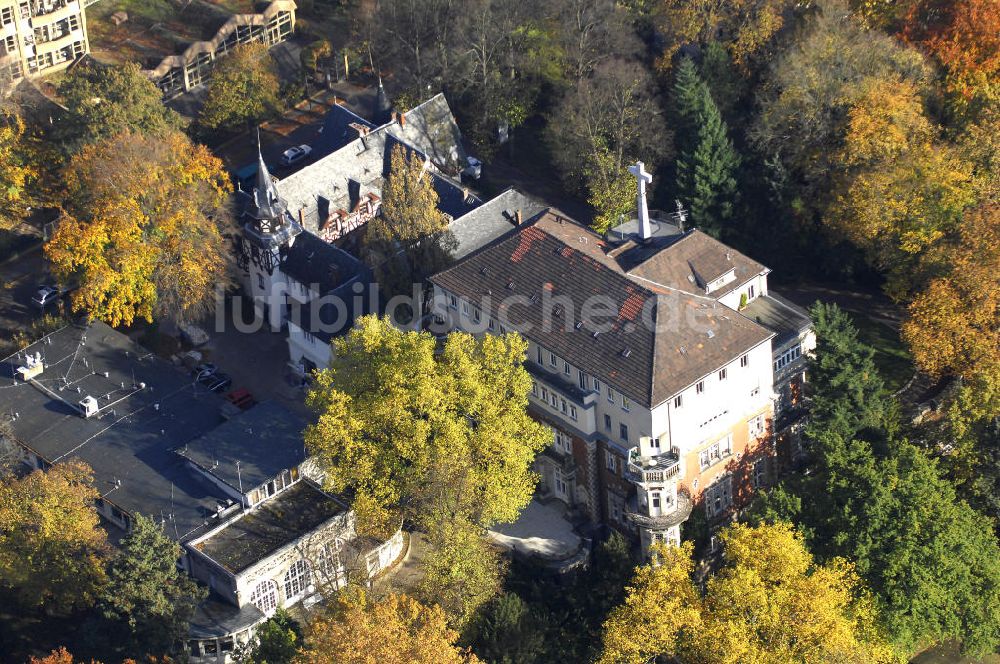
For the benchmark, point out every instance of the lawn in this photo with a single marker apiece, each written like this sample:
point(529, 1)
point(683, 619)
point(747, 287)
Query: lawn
point(891, 356)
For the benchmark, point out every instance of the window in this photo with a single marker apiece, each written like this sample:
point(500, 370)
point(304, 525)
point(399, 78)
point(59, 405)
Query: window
point(745, 360)
point(6, 15)
point(788, 357)
point(452, 302)
point(572, 412)
point(607, 423)
point(566, 368)
point(583, 381)
point(561, 441)
point(553, 360)
point(625, 403)
point(611, 395)
point(611, 461)
point(700, 387)
point(654, 443)
point(722, 374)
point(560, 483)
point(545, 395)
point(538, 354)
point(211, 647)
point(265, 596)
point(760, 473)
point(534, 388)
point(309, 337)
point(476, 314)
point(623, 431)
point(755, 426)
point(597, 386)
point(751, 292)
point(491, 325)
point(296, 579)
point(716, 452)
point(465, 308)
point(754, 392)
point(678, 401)
point(719, 496)
point(562, 406)
point(328, 562)
point(554, 399)
point(260, 281)
point(654, 501)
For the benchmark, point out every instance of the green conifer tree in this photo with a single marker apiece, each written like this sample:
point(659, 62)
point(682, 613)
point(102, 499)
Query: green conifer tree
point(707, 162)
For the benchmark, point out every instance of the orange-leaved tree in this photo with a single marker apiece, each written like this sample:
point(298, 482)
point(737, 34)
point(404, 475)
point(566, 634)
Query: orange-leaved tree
point(393, 630)
point(143, 229)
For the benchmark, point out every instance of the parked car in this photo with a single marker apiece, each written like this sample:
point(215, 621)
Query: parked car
point(295, 155)
point(204, 369)
point(474, 168)
point(46, 295)
point(216, 382)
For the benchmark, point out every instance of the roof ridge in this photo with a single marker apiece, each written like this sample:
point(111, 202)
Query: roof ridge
point(671, 288)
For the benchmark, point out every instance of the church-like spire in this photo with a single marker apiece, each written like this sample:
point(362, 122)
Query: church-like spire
point(268, 209)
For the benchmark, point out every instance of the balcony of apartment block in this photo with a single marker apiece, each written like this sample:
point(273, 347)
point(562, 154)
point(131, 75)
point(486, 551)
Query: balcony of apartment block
point(672, 515)
point(54, 42)
point(46, 12)
point(652, 469)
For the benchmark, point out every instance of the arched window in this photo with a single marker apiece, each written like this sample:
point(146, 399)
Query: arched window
point(328, 562)
point(265, 596)
point(296, 579)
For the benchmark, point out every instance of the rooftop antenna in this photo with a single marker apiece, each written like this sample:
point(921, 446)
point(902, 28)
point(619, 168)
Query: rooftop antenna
point(239, 476)
point(680, 215)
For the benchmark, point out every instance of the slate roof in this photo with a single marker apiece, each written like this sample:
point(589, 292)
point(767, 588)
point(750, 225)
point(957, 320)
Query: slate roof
point(652, 341)
point(282, 520)
point(265, 440)
point(147, 409)
point(492, 220)
point(324, 186)
point(311, 260)
point(688, 263)
point(337, 130)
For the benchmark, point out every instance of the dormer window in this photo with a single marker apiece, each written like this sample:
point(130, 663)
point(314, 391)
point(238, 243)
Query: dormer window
point(721, 281)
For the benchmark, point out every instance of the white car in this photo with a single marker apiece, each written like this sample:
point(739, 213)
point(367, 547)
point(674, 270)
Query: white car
point(295, 155)
point(46, 295)
point(474, 169)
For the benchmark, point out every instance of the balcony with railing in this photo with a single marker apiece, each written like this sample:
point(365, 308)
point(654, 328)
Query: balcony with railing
point(650, 469)
point(674, 515)
point(48, 11)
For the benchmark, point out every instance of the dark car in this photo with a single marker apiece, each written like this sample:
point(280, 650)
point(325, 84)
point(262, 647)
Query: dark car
point(204, 369)
point(46, 295)
point(216, 382)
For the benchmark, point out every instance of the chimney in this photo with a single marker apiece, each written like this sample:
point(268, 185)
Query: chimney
point(517, 217)
point(402, 120)
point(302, 218)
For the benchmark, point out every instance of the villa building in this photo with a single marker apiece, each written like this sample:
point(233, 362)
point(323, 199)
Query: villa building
point(659, 358)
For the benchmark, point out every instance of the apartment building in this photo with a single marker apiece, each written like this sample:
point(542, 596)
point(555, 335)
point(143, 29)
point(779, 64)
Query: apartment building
point(40, 37)
point(659, 388)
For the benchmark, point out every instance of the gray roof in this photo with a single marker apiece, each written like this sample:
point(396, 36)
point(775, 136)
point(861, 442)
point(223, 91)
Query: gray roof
point(337, 130)
point(784, 318)
point(147, 409)
point(282, 520)
point(325, 185)
point(311, 260)
point(265, 440)
point(492, 220)
point(216, 618)
point(660, 341)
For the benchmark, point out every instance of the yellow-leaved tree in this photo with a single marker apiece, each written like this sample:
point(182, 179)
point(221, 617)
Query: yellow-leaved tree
point(16, 171)
point(769, 604)
point(395, 630)
point(52, 549)
point(442, 439)
point(142, 233)
point(900, 191)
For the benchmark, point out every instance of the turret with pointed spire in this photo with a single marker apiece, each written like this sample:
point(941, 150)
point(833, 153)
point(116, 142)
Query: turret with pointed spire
point(266, 217)
point(383, 106)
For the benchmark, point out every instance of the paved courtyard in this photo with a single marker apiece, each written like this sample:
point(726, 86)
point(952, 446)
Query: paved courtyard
point(542, 530)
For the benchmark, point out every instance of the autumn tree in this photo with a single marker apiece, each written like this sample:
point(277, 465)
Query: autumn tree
point(52, 549)
point(899, 191)
point(409, 240)
point(277, 641)
point(145, 240)
point(441, 439)
point(16, 172)
point(243, 89)
point(707, 163)
point(393, 630)
point(103, 101)
point(954, 323)
point(770, 602)
point(148, 601)
point(810, 86)
point(964, 35)
point(604, 124)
